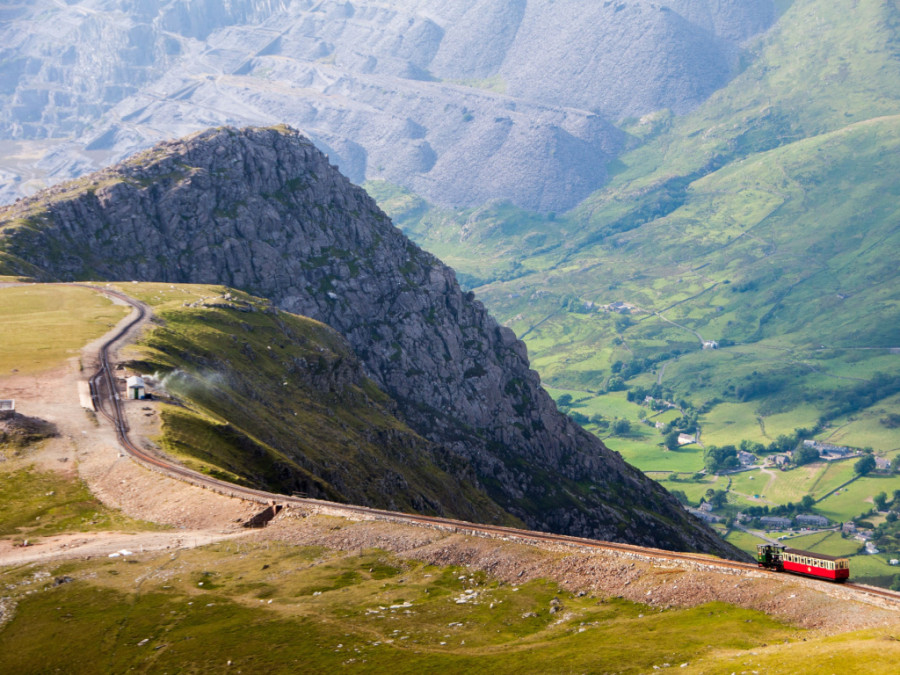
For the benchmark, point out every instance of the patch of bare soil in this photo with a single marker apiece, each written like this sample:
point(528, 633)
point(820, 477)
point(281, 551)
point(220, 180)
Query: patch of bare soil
point(85, 545)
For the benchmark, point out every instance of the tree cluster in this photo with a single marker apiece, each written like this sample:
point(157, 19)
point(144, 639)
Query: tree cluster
point(864, 465)
point(790, 509)
point(863, 395)
point(718, 459)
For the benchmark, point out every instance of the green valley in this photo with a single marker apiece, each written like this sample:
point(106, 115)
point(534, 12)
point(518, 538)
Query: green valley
point(741, 263)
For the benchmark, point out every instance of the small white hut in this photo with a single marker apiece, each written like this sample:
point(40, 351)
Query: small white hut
point(134, 387)
point(7, 408)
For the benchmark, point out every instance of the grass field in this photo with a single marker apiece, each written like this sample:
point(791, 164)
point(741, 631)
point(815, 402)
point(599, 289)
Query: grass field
point(791, 486)
point(855, 499)
point(648, 457)
point(833, 475)
point(610, 405)
point(694, 489)
point(730, 423)
point(37, 503)
point(43, 325)
point(750, 483)
point(277, 608)
point(744, 541)
point(872, 566)
point(829, 543)
point(864, 428)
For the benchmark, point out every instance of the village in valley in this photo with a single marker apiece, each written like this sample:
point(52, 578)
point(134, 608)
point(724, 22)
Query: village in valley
point(797, 490)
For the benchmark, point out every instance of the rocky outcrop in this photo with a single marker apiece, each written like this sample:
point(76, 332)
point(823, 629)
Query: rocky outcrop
point(19, 431)
point(263, 210)
point(460, 101)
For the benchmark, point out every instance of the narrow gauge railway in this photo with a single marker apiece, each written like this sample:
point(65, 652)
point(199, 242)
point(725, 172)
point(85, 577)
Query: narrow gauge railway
point(108, 403)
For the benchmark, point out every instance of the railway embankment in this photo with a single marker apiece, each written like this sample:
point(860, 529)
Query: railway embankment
point(655, 580)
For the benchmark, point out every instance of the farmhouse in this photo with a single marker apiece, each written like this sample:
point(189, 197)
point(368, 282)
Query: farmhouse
point(776, 522)
point(812, 519)
point(7, 408)
point(829, 451)
point(705, 515)
point(882, 464)
point(780, 460)
point(620, 307)
point(686, 439)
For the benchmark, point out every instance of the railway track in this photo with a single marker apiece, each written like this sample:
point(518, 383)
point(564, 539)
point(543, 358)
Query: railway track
point(874, 590)
point(106, 399)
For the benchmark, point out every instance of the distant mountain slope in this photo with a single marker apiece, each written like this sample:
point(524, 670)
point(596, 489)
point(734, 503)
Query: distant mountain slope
point(262, 210)
point(766, 220)
point(462, 102)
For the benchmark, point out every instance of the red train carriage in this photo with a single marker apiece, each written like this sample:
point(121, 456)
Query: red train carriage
point(806, 563)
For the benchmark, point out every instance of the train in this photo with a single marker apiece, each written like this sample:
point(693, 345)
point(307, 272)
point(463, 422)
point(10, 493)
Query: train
point(807, 563)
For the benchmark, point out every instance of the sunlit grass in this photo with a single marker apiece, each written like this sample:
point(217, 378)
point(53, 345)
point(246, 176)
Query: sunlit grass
point(42, 325)
point(277, 608)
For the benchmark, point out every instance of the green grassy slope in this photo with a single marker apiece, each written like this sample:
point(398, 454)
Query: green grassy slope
point(35, 503)
point(274, 608)
point(772, 257)
point(44, 325)
point(283, 609)
point(275, 400)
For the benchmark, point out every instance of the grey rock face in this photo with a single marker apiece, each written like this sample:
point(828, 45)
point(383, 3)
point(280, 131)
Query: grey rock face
point(461, 101)
point(263, 210)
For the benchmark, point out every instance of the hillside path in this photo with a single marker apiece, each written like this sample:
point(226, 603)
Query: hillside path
point(90, 451)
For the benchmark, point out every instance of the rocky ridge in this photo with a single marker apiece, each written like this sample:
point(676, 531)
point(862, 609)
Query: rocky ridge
point(462, 102)
point(263, 210)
